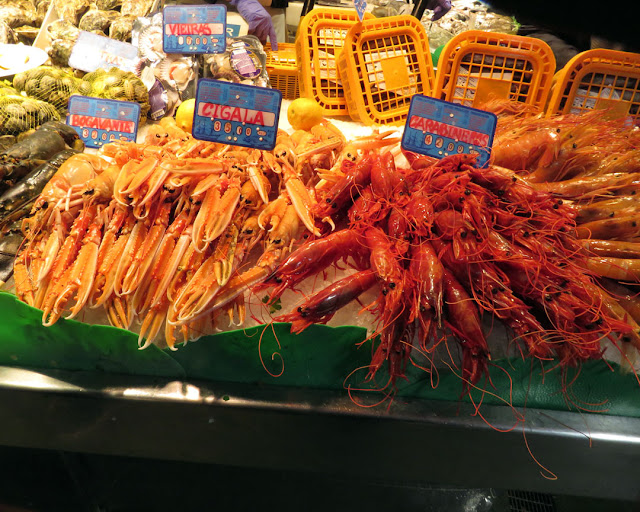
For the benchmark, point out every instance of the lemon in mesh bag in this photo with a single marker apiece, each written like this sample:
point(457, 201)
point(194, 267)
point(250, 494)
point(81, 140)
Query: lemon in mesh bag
point(19, 114)
point(120, 85)
point(50, 84)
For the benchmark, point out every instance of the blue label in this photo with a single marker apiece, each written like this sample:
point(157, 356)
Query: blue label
point(93, 51)
point(361, 7)
point(99, 121)
point(242, 115)
point(233, 30)
point(439, 128)
point(194, 28)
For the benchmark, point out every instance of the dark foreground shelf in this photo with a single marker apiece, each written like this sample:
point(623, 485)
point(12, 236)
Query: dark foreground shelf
point(319, 431)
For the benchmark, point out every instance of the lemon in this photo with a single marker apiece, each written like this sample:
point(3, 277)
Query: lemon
point(304, 113)
point(184, 114)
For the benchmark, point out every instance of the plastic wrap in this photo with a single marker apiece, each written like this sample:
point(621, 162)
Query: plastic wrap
point(244, 61)
point(466, 15)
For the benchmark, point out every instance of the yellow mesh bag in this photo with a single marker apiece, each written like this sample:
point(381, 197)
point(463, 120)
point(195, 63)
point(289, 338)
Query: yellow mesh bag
point(7, 88)
point(120, 85)
point(50, 84)
point(19, 114)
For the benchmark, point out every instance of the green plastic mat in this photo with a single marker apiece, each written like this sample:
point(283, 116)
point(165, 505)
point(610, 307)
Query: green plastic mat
point(321, 357)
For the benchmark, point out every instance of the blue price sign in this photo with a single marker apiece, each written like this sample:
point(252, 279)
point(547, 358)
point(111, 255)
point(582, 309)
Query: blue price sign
point(99, 121)
point(242, 115)
point(361, 7)
point(194, 28)
point(439, 128)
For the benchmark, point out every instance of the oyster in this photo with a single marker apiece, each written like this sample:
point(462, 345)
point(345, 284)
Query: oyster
point(98, 20)
point(108, 5)
point(71, 10)
point(42, 7)
point(60, 51)
point(7, 35)
point(136, 8)
point(121, 28)
point(26, 33)
point(63, 29)
point(16, 13)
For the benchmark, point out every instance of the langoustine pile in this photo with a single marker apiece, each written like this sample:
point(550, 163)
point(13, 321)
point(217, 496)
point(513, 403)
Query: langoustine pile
point(445, 243)
point(162, 232)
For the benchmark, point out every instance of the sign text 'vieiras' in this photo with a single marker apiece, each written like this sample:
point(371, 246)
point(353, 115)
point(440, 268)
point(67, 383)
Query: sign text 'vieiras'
point(242, 115)
point(102, 123)
point(446, 130)
point(187, 29)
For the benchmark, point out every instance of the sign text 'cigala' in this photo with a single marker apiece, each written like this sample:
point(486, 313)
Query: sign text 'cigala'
point(241, 115)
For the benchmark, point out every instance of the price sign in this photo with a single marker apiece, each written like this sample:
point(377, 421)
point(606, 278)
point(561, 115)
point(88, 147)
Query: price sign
point(99, 121)
point(361, 7)
point(439, 128)
point(242, 115)
point(194, 28)
point(93, 51)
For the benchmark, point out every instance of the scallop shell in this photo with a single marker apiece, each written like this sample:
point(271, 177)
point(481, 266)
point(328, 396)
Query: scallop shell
point(176, 70)
point(150, 43)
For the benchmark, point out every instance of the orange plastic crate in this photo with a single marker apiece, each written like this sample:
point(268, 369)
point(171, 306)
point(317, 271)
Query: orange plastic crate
point(386, 61)
point(283, 70)
point(476, 67)
point(600, 79)
point(319, 42)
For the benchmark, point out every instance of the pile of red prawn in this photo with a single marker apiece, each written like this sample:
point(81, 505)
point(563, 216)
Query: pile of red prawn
point(592, 162)
point(445, 243)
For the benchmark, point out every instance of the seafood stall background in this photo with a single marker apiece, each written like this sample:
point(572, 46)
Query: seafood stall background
point(354, 383)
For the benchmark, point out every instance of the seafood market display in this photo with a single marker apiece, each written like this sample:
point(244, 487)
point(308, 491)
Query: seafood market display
point(174, 238)
point(168, 237)
point(164, 232)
